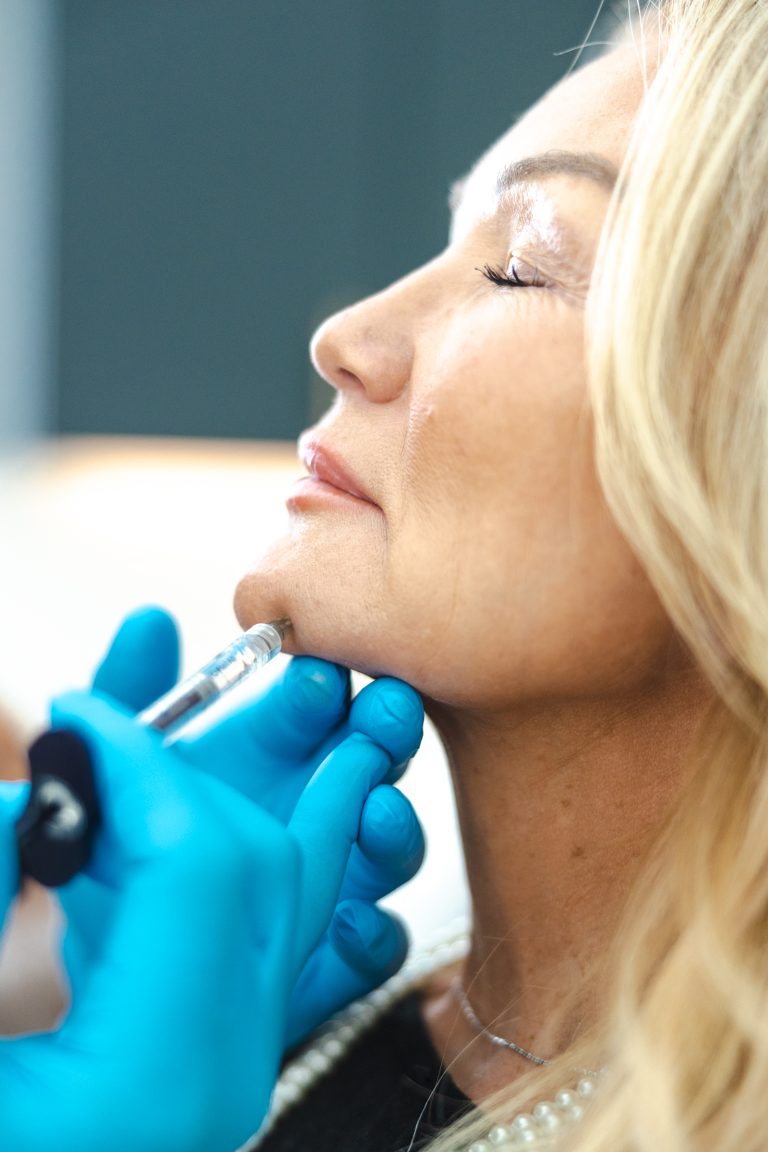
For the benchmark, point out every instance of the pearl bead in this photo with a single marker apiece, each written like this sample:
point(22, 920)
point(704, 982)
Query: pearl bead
point(318, 1062)
point(300, 1075)
point(290, 1093)
point(545, 1116)
point(565, 1099)
point(336, 1037)
point(525, 1136)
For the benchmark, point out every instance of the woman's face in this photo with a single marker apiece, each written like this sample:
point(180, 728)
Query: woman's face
point(452, 531)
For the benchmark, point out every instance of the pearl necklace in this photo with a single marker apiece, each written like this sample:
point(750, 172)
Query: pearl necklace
point(544, 1121)
point(547, 1116)
point(332, 1041)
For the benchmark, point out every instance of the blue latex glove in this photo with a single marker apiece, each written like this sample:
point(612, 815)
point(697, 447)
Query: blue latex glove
point(13, 799)
point(267, 751)
point(158, 1049)
point(178, 1018)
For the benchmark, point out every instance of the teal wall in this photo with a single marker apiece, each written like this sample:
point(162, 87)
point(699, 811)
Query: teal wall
point(234, 170)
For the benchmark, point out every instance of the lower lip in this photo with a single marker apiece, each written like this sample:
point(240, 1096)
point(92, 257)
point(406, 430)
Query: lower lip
point(311, 492)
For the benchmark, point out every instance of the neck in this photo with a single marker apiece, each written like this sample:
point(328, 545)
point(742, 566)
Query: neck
point(558, 804)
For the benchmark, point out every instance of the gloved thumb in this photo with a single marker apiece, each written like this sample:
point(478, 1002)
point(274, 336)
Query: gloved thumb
point(142, 661)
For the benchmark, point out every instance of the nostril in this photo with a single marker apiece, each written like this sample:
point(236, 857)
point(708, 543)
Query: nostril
point(348, 378)
point(362, 357)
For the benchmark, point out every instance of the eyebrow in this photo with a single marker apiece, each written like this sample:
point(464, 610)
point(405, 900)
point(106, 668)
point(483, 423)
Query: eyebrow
point(554, 163)
point(589, 164)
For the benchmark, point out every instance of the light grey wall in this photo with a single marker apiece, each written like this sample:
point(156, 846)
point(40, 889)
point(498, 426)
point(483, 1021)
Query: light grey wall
point(28, 197)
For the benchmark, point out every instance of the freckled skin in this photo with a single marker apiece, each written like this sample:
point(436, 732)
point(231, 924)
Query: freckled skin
point(495, 573)
point(493, 579)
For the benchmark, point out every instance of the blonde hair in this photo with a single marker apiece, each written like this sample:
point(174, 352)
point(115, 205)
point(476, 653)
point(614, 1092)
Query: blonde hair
point(678, 357)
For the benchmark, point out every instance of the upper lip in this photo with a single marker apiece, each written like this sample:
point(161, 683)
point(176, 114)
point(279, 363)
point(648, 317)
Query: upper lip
point(326, 465)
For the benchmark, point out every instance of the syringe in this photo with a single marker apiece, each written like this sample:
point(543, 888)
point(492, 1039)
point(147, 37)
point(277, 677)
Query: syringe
point(55, 832)
point(192, 696)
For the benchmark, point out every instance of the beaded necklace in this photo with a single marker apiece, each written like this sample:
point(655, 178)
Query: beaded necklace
point(544, 1121)
point(331, 1042)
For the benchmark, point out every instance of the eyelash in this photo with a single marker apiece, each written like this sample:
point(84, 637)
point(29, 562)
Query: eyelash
point(499, 277)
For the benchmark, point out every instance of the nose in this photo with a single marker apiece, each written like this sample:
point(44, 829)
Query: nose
point(369, 348)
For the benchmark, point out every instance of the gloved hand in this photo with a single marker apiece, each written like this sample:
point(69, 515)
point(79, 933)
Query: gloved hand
point(176, 1027)
point(267, 751)
point(178, 1019)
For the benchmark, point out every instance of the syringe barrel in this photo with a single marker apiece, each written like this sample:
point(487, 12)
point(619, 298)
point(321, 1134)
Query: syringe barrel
point(55, 832)
point(192, 696)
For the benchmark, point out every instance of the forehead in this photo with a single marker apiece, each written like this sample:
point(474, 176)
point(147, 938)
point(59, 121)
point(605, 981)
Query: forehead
point(591, 111)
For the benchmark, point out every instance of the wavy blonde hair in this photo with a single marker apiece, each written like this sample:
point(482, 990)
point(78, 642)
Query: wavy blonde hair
point(677, 325)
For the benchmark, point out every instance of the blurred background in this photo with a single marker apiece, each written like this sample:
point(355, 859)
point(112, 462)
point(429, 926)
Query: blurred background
point(187, 188)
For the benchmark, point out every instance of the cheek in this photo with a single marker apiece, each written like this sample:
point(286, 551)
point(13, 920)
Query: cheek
point(498, 575)
point(534, 597)
point(491, 446)
point(506, 559)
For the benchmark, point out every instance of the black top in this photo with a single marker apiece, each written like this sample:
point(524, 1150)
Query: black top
point(388, 1093)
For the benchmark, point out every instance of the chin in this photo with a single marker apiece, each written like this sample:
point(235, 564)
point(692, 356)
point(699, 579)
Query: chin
point(321, 624)
point(328, 622)
point(325, 576)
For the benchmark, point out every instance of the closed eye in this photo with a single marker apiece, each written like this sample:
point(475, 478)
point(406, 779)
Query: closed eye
point(516, 274)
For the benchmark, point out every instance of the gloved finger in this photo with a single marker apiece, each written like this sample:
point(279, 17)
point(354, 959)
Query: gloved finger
point(186, 878)
point(391, 714)
point(204, 880)
point(183, 954)
point(254, 747)
point(14, 795)
point(152, 801)
point(326, 823)
point(175, 989)
point(390, 846)
point(206, 916)
point(371, 942)
point(362, 948)
point(142, 661)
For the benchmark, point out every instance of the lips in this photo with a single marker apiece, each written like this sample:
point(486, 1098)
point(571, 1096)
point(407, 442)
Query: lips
point(324, 465)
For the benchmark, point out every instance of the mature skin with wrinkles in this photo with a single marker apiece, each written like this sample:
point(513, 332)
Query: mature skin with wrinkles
point(488, 572)
point(494, 573)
